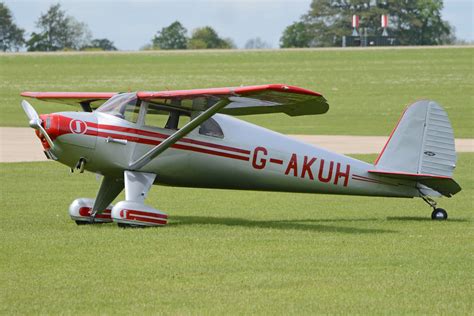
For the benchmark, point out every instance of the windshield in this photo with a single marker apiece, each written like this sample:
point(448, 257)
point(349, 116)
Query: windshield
point(122, 105)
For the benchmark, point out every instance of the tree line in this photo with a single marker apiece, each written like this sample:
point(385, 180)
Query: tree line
point(57, 31)
point(411, 22)
point(175, 36)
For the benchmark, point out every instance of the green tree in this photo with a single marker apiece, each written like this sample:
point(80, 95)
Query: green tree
point(11, 36)
point(171, 37)
point(228, 43)
point(207, 37)
point(419, 22)
point(256, 43)
point(59, 31)
point(296, 35)
point(100, 44)
point(412, 22)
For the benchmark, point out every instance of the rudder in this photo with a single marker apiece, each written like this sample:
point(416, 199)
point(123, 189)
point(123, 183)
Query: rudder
point(421, 143)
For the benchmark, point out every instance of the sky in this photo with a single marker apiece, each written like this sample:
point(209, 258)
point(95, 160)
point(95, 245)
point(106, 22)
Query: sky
point(132, 24)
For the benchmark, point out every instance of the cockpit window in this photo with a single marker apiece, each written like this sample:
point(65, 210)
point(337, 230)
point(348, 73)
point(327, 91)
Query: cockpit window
point(124, 106)
point(211, 128)
point(157, 116)
point(161, 117)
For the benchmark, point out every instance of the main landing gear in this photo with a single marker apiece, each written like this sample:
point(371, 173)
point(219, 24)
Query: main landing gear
point(438, 213)
point(129, 213)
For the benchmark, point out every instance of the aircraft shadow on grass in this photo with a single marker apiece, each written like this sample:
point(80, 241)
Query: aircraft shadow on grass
point(420, 219)
point(291, 224)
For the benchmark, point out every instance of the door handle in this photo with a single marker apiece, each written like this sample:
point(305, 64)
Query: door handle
point(117, 141)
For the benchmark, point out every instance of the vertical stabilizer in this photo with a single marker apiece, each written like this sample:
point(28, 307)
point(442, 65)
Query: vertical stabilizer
point(421, 143)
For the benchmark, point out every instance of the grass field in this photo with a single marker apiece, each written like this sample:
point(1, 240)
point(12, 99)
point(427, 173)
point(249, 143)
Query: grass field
point(230, 252)
point(367, 89)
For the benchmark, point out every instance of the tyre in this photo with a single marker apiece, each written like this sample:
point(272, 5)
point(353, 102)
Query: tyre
point(439, 214)
point(82, 223)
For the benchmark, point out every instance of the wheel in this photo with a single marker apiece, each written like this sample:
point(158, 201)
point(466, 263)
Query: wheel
point(123, 225)
point(439, 214)
point(88, 223)
point(82, 223)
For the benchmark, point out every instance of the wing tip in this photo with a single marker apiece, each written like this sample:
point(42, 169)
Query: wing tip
point(68, 95)
point(29, 94)
point(293, 89)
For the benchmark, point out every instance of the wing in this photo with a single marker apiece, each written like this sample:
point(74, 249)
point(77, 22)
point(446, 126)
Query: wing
point(236, 101)
point(274, 98)
point(248, 100)
point(88, 100)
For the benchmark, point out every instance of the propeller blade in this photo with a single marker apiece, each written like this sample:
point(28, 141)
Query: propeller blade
point(45, 134)
point(35, 121)
point(29, 110)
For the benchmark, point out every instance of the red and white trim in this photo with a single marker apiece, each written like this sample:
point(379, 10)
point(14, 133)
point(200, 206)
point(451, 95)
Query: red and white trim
point(81, 210)
point(390, 137)
point(142, 217)
point(87, 211)
point(369, 180)
point(138, 214)
point(150, 95)
point(415, 176)
point(355, 21)
point(154, 138)
point(384, 20)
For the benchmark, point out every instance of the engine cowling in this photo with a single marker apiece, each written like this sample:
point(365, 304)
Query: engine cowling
point(138, 214)
point(80, 210)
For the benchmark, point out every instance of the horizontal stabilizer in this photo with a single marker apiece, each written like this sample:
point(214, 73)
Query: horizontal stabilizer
point(442, 184)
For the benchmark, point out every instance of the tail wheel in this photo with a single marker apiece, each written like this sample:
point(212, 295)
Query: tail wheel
point(439, 214)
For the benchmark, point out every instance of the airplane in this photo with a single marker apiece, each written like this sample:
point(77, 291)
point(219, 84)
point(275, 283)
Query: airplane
point(190, 138)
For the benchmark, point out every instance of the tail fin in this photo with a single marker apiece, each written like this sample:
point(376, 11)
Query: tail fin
point(421, 147)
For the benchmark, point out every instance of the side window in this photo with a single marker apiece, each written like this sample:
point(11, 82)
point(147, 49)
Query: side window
point(156, 117)
point(211, 128)
point(131, 111)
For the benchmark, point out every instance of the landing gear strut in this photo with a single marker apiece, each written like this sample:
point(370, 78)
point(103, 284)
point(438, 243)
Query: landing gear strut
point(438, 213)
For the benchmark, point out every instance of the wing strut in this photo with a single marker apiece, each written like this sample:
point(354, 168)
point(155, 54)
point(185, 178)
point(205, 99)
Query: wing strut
point(189, 127)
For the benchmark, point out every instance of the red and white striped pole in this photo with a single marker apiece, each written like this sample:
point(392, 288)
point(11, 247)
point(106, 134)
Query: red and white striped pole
point(384, 22)
point(355, 25)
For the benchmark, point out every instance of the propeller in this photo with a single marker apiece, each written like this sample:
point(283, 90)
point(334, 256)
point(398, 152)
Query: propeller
point(35, 121)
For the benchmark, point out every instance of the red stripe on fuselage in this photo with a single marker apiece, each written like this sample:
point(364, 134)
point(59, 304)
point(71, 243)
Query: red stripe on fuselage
point(103, 132)
point(164, 136)
point(211, 152)
point(175, 146)
point(375, 182)
point(365, 179)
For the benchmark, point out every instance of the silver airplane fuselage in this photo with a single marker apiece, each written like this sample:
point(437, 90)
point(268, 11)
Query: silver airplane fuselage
point(246, 157)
